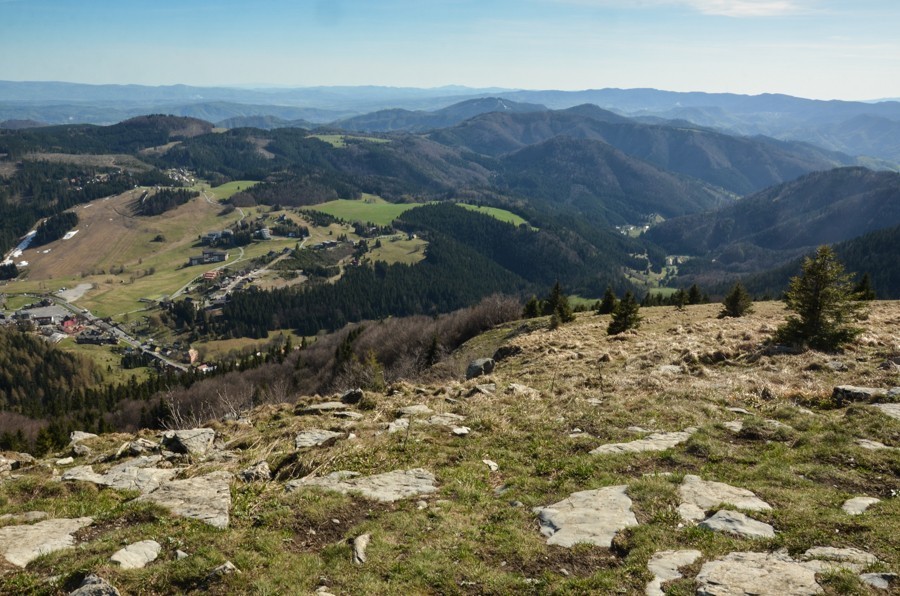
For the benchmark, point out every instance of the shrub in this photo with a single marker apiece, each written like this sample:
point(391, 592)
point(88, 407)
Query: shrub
point(823, 298)
point(737, 303)
point(625, 316)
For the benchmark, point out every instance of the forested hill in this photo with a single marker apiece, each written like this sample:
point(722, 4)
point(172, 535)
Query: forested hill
point(820, 208)
point(738, 164)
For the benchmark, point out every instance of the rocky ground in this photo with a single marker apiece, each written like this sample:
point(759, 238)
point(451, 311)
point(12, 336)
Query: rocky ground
point(686, 457)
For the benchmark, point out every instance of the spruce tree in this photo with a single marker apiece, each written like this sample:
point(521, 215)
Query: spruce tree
point(608, 304)
point(737, 303)
point(695, 296)
point(558, 303)
point(822, 298)
point(625, 316)
point(864, 289)
point(532, 308)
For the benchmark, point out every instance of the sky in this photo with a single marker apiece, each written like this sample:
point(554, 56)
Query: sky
point(821, 49)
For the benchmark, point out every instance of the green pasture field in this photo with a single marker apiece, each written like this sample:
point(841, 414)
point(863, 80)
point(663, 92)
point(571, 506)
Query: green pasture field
point(368, 209)
point(340, 141)
point(496, 213)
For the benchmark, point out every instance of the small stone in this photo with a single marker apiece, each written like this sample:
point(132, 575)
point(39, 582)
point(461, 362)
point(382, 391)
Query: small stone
point(347, 414)
point(93, 585)
point(698, 496)
point(881, 581)
point(65, 461)
point(836, 558)
point(738, 411)
point(850, 393)
point(81, 450)
point(487, 389)
point(360, 544)
point(258, 472)
point(733, 522)
point(491, 464)
point(353, 396)
point(479, 367)
point(872, 445)
point(858, 505)
point(420, 505)
point(521, 390)
point(195, 441)
point(734, 426)
point(415, 410)
point(180, 554)
point(315, 437)
point(653, 442)
point(398, 425)
point(137, 555)
point(892, 410)
point(460, 431)
point(226, 568)
point(76, 436)
point(589, 516)
point(323, 408)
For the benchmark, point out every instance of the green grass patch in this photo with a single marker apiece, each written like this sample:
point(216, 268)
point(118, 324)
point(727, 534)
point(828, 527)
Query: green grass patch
point(340, 141)
point(497, 213)
point(368, 209)
point(229, 188)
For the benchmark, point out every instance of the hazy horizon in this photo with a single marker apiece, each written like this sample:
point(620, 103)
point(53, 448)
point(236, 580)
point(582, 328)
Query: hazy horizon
point(818, 49)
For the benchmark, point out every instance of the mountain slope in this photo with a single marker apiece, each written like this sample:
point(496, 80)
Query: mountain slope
point(820, 208)
point(418, 121)
point(738, 164)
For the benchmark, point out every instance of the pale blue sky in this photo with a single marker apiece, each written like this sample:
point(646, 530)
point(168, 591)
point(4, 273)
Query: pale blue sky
point(812, 48)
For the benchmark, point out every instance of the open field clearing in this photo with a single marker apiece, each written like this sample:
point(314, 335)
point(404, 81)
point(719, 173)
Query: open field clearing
point(127, 162)
point(226, 190)
point(368, 209)
point(397, 249)
point(340, 141)
point(496, 213)
point(109, 363)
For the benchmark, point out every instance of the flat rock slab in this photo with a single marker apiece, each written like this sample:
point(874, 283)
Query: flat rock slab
point(749, 573)
point(850, 393)
point(22, 544)
point(77, 436)
point(326, 407)
point(206, 498)
point(858, 505)
point(130, 475)
point(24, 518)
point(588, 516)
point(830, 558)
point(872, 445)
point(699, 496)
point(734, 522)
point(654, 442)
point(137, 555)
point(415, 410)
point(315, 437)
point(664, 567)
point(892, 410)
point(195, 441)
point(881, 581)
point(387, 487)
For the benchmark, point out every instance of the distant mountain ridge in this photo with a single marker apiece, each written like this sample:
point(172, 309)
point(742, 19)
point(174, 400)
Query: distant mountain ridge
point(788, 219)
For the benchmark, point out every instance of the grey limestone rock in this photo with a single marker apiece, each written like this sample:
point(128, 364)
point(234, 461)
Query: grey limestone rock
point(750, 573)
point(588, 516)
point(94, 585)
point(653, 442)
point(315, 437)
point(881, 581)
point(195, 441)
point(325, 407)
point(733, 522)
point(699, 496)
point(479, 367)
point(387, 487)
point(892, 410)
point(22, 544)
point(850, 393)
point(137, 555)
point(664, 567)
point(206, 498)
point(858, 505)
point(360, 544)
point(258, 472)
point(76, 436)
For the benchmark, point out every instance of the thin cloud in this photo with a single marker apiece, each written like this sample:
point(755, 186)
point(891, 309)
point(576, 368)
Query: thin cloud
point(728, 8)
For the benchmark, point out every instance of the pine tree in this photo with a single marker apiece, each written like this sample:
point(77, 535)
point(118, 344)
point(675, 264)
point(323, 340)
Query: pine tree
point(822, 296)
point(695, 296)
point(737, 303)
point(608, 304)
point(625, 316)
point(864, 289)
point(558, 303)
point(532, 308)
